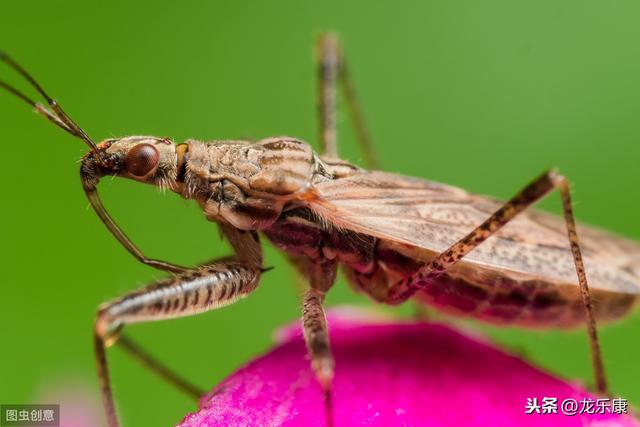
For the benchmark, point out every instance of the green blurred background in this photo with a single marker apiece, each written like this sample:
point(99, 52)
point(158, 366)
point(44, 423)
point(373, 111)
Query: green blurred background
point(483, 95)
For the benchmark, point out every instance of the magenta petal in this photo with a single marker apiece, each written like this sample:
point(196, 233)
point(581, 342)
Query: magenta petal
point(392, 375)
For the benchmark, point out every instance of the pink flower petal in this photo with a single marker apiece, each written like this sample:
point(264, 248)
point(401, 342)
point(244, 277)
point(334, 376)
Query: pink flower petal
point(395, 374)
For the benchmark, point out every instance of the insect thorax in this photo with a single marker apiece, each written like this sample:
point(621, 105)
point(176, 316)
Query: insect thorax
point(246, 184)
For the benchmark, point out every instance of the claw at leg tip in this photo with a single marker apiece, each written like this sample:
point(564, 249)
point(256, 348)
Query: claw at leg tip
point(324, 374)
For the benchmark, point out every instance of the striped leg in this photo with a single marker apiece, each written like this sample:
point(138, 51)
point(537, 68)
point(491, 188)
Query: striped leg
point(533, 192)
point(208, 288)
point(332, 69)
point(321, 277)
point(213, 285)
point(316, 335)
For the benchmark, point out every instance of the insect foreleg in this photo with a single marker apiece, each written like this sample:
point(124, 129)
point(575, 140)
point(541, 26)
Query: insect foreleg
point(333, 69)
point(148, 361)
point(208, 288)
point(116, 231)
point(214, 284)
point(523, 200)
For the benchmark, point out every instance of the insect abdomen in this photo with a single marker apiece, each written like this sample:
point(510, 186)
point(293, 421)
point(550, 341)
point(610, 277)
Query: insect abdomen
point(492, 296)
point(531, 303)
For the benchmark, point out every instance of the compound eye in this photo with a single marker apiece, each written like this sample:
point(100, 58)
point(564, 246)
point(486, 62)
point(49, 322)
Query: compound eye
point(142, 159)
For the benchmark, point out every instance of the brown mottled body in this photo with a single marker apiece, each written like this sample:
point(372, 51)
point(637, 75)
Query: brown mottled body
point(396, 237)
point(490, 294)
point(271, 186)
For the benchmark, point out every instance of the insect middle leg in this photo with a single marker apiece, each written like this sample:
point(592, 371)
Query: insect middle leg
point(333, 70)
point(208, 287)
point(321, 275)
point(524, 199)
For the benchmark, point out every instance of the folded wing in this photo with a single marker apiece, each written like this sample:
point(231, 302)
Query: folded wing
point(432, 216)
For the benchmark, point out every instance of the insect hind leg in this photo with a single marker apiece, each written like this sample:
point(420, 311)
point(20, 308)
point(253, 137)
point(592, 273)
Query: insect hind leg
point(528, 196)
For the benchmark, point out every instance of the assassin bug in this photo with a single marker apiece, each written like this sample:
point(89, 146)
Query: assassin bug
point(397, 238)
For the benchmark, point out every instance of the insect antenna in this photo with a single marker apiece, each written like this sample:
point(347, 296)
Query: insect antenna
point(56, 115)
